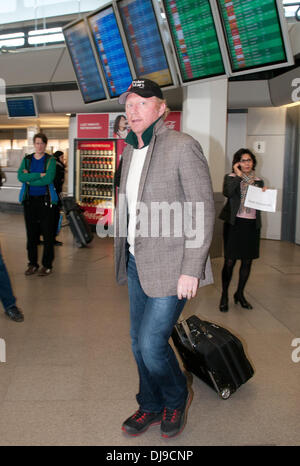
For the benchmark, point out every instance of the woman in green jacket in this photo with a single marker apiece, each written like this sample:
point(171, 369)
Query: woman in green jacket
point(37, 172)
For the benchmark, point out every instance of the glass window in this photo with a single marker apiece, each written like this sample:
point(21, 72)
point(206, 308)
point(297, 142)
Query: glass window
point(44, 36)
point(8, 7)
point(290, 10)
point(25, 10)
point(12, 40)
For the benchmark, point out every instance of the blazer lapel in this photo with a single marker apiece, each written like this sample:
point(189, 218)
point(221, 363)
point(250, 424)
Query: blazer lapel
point(145, 168)
point(158, 127)
point(121, 220)
point(125, 168)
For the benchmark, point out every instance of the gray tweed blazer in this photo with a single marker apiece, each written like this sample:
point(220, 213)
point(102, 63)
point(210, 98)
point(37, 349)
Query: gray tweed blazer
point(176, 173)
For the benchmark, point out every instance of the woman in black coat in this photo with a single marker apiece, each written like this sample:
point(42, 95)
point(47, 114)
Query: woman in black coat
point(241, 225)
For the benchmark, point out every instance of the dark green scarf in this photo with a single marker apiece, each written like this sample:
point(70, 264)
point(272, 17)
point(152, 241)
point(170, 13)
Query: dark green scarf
point(146, 136)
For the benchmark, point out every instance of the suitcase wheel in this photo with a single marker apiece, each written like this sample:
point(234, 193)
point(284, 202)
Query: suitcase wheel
point(78, 244)
point(225, 393)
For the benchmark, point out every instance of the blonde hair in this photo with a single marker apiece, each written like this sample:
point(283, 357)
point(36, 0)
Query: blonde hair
point(167, 110)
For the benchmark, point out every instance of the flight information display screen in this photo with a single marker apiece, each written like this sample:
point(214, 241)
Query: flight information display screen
point(253, 33)
point(20, 107)
point(144, 39)
point(195, 39)
point(84, 62)
point(108, 41)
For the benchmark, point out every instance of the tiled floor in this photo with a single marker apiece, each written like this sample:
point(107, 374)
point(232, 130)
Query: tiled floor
point(70, 378)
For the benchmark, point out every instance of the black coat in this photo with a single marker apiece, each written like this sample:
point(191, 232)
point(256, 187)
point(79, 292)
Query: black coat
point(2, 177)
point(59, 176)
point(232, 190)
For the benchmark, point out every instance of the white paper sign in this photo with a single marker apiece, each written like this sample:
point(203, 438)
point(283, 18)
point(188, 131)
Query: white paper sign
point(261, 200)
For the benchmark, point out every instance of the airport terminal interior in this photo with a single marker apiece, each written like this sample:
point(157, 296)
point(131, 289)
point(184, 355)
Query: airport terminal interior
point(67, 373)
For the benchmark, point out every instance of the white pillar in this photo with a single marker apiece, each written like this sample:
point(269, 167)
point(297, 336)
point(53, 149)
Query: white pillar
point(204, 117)
point(71, 162)
point(236, 136)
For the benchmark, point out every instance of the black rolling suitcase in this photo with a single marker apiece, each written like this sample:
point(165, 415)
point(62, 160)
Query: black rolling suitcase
point(213, 354)
point(78, 224)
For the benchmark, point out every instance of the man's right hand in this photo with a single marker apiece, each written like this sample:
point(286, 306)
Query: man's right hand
point(187, 286)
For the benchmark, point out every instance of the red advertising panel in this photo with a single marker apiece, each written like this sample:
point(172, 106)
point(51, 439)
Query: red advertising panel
point(173, 121)
point(92, 125)
point(94, 147)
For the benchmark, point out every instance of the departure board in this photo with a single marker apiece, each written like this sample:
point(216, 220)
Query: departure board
point(84, 62)
point(111, 51)
point(144, 39)
point(21, 106)
point(253, 33)
point(195, 39)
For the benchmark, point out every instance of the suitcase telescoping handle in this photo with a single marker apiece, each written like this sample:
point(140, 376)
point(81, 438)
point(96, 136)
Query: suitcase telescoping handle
point(202, 328)
point(186, 328)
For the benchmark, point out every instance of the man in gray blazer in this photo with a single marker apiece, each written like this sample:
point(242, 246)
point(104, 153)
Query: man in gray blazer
point(163, 230)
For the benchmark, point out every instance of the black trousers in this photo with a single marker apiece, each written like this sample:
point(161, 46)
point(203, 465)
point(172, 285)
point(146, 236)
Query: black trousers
point(39, 218)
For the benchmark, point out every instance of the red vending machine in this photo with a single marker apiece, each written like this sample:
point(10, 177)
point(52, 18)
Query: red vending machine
point(95, 163)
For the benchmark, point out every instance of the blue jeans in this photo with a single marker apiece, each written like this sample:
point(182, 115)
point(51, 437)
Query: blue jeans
point(162, 384)
point(6, 293)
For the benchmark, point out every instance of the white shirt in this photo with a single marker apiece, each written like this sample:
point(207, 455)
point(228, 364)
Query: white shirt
point(132, 188)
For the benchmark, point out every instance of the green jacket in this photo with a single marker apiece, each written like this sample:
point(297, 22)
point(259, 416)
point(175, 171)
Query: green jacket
point(35, 179)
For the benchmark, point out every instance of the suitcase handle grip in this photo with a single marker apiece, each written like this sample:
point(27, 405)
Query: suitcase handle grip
point(203, 329)
point(189, 334)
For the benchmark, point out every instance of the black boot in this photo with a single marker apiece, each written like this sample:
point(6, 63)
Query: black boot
point(243, 277)
point(240, 298)
point(224, 303)
point(226, 278)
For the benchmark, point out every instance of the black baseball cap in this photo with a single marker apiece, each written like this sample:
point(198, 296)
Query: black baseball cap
point(144, 88)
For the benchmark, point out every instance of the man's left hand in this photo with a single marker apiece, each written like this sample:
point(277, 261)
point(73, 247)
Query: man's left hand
point(187, 286)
